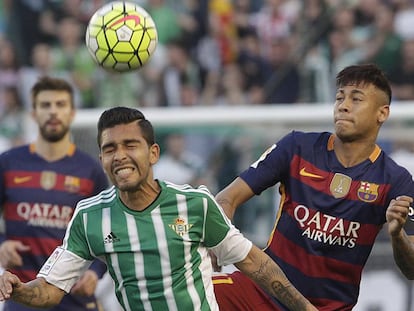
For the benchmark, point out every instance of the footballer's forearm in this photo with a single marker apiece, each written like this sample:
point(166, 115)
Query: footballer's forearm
point(37, 293)
point(267, 274)
point(403, 250)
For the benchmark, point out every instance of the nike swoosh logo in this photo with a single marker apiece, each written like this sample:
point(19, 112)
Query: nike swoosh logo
point(303, 172)
point(125, 18)
point(20, 180)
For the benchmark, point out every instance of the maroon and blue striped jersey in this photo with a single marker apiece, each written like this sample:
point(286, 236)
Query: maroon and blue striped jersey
point(38, 199)
point(329, 215)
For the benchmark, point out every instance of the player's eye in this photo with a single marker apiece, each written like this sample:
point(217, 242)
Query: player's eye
point(108, 150)
point(132, 145)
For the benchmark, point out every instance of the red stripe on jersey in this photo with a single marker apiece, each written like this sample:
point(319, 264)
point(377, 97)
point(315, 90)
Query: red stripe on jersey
point(39, 246)
point(37, 180)
point(329, 305)
point(318, 179)
point(312, 265)
point(25, 275)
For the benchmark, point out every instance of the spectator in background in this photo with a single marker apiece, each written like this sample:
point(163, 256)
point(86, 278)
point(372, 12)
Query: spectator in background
point(9, 67)
point(12, 119)
point(181, 71)
point(402, 76)
point(23, 28)
point(312, 34)
point(232, 88)
point(253, 66)
point(71, 54)
point(283, 84)
point(383, 47)
point(166, 19)
point(192, 19)
point(112, 88)
point(271, 22)
point(41, 65)
point(344, 45)
point(404, 19)
point(177, 164)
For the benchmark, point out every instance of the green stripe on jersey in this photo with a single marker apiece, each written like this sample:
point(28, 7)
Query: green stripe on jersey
point(161, 250)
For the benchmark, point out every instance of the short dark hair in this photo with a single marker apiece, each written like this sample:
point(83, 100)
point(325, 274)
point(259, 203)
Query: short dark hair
point(124, 115)
point(362, 74)
point(47, 83)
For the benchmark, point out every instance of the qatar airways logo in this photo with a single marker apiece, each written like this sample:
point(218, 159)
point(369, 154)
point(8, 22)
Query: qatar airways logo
point(327, 229)
point(45, 214)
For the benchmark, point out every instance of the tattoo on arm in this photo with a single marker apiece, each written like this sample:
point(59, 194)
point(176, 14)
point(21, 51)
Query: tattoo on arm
point(33, 294)
point(270, 277)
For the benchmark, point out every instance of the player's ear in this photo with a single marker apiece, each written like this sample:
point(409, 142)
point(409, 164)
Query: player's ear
point(383, 113)
point(154, 153)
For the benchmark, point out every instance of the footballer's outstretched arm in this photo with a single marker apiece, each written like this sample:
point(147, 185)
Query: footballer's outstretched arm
point(265, 272)
point(36, 293)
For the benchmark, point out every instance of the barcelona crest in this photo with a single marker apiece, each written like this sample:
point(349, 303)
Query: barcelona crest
point(368, 192)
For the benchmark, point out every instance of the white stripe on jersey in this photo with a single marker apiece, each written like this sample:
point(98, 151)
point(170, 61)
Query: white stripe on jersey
point(201, 189)
point(106, 227)
point(121, 287)
point(164, 258)
point(138, 259)
point(183, 213)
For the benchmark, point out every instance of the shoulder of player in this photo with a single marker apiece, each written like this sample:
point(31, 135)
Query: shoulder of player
point(309, 136)
point(98, 201)
point(186, 189)
point(15, 151)
point(307, 140)
point(84, 157)
point(14, 156)
point(393, 167)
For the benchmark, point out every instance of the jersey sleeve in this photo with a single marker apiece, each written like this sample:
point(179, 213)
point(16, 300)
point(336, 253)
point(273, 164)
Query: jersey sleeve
point(223, 238)
point(63, 269)
point(70, 260)
point(271, 166)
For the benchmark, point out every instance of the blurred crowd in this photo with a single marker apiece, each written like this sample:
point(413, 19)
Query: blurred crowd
point(210, 52)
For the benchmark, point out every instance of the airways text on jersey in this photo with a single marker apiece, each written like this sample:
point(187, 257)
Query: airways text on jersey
point(325, 228)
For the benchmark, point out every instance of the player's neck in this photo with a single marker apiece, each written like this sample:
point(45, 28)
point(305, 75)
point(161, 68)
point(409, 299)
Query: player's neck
point(52, 151)
point(140, 199)
point(353, 153)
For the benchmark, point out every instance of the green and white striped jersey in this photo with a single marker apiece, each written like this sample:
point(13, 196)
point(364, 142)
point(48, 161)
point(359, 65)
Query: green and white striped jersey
point(158, 257)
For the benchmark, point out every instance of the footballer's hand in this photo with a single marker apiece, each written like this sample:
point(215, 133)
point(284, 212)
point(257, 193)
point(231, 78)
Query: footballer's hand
point(8, 283)
point(10, 253)
point(397, 213)
point(86, 285)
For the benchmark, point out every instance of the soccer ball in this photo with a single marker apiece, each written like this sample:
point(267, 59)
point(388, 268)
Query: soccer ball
point(121, 36)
